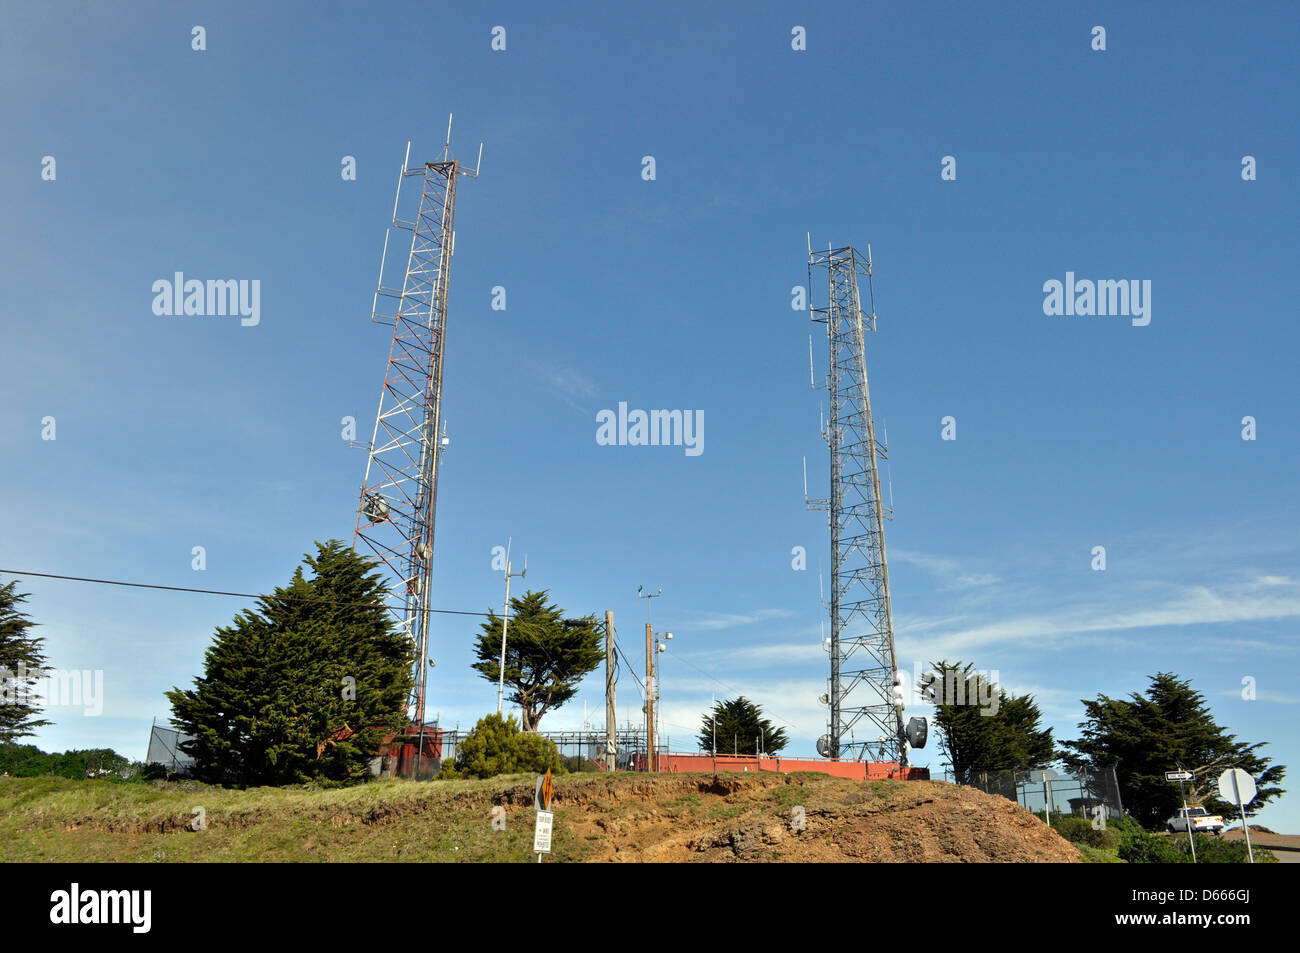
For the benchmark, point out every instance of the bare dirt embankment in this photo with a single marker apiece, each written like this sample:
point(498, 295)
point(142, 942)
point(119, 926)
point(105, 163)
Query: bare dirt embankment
point(746, 817)
point(757, 817)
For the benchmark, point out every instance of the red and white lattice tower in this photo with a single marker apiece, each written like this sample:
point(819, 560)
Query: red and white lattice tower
point(395, 517)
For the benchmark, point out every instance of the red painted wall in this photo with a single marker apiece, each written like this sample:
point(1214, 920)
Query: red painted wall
point(859, 770)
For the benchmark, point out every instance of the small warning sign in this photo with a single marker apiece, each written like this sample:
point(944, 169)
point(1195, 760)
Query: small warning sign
point(542, 832)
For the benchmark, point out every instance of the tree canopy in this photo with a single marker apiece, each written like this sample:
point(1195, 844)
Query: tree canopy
point(1170, 728)
point(547, 655)
point(22, 663)
point(738, 727)
point(28, 761)
point(303, 687)
point(981, 726)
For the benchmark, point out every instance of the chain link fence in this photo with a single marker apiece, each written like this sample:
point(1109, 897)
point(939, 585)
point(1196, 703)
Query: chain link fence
point(582, 750)
point(164, 750)
point(1062, 791)
point(579, 749)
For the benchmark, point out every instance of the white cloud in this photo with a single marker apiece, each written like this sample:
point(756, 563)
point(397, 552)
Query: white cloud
point(569, 384)
point(945, 568)
point(1263, 695)
point(714, 621)
point(760, 656)
point(1195, 605)
point(569, 381)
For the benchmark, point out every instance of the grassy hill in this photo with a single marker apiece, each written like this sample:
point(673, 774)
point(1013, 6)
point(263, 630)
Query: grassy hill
point(684, 817)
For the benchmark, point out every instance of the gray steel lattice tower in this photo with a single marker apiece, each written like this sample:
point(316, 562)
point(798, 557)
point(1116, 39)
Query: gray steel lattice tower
point(395, 518)
point(863, 663)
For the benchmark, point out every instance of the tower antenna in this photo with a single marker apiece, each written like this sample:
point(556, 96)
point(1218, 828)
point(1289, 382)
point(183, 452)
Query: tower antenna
point(863, 659)
point(399, 495)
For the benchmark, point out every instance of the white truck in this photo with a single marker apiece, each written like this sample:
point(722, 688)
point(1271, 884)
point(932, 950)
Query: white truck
point(1203, 822)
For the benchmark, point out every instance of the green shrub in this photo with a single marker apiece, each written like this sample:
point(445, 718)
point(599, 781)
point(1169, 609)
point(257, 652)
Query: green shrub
point(1144, 848)
point(1092, 855)
point(154, 772)
point(1104, 839)
point(1216, 850)
point(1138, 846)
point(1071, 827)
point(1079, 830)
point(496, 746)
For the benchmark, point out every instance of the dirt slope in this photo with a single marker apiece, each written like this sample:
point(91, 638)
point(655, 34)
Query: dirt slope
point(752, 817)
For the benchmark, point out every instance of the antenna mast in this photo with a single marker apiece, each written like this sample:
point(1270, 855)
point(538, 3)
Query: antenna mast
point(395, 518)
point(863, 662)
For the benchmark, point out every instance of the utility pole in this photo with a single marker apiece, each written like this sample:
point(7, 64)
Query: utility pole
point(649, 679)
point(649, 698)
point(505, 619)
point(611, 746)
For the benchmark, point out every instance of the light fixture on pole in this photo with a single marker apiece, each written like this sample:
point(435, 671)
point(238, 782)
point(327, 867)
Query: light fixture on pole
point(505, 619)
point(649, 678)
point(663, 647)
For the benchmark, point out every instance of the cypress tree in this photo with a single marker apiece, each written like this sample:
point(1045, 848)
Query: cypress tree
point(1170, 728)
point(982, 727)
point(546, 654)
point(737, 726)
point(22, 662)
point(303, 687)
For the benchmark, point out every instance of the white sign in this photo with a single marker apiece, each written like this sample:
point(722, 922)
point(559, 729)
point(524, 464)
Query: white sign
point(1178, 775)
point(1245, 785)
point(542, 832)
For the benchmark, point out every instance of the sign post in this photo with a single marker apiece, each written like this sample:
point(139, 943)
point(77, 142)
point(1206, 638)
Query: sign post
point(542, 833)
point(545, 822)
point(1236, 785)
point(1047, 776)
point(1180, 777)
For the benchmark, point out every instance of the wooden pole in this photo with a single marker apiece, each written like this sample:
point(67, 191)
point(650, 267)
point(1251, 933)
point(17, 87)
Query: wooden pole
point(611, 746)
point(649, 698)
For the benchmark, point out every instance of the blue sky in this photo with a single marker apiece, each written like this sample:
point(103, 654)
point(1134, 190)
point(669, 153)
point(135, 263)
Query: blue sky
point(1072, 432)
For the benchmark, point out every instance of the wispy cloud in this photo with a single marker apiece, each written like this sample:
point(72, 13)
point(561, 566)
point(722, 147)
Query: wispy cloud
point(759, 656)
point(1268, 696)
point(1264, 695)
point(1263, 598)
point(571, 382)
point(714, 621)
point(947, 569)
point(568, 383)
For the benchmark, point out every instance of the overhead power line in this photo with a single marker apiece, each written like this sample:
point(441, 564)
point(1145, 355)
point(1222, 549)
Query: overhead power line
point(730, 688)
point(212, 592)
point(619, 654)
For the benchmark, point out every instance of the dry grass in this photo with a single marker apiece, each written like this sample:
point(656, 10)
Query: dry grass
point(690, 817)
